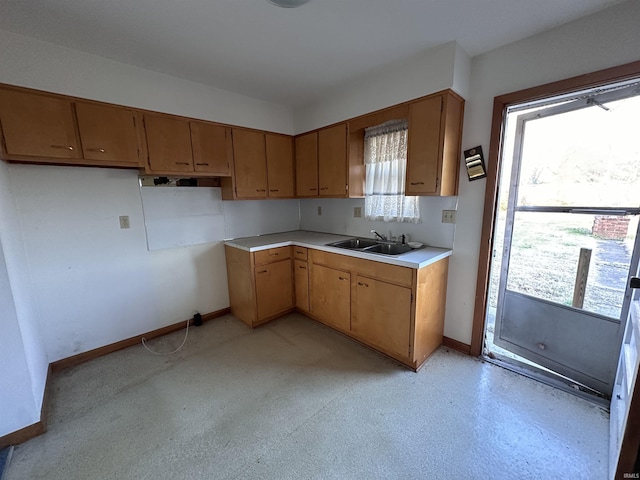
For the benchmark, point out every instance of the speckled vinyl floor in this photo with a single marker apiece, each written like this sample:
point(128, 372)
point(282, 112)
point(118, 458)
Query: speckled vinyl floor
point(295, 400)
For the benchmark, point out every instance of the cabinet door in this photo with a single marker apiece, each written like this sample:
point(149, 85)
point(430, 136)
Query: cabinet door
point(169, 144)
point(250, 164)
point(38, 125)
point(274, 288)
point(330, 296)
point(306, 152)
point(383, 315)
point(424, 152)
point(332, 161)
point(108, 133)
point(279, 165)
point(211, 146)
point(301, 277)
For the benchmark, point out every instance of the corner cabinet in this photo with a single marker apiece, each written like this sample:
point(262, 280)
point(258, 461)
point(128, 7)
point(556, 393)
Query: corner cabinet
point(433, 153)
point(260, 283)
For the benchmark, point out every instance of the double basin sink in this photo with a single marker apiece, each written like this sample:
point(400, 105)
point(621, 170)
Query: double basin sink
point(371, 246)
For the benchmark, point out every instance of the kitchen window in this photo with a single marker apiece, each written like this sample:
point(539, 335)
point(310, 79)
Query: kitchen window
point(385, 158)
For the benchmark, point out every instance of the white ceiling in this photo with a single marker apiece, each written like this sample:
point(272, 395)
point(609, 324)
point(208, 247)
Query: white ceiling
point(286, 56)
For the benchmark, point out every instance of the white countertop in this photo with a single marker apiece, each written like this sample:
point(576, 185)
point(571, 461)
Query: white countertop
point(414, 259)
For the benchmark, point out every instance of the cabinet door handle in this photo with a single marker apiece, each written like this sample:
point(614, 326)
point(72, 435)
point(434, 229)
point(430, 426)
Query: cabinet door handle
point(313, 189)
point(343, 278)
point(182, 163)
point(202, 164)
point(303, 268)
point(324, 188)
point(262, 271)
point(274, 190)
point(64, 147)
point(417, 183)
point(363, 284)
point(99, 150)
point(302, 253)
point(260, 190)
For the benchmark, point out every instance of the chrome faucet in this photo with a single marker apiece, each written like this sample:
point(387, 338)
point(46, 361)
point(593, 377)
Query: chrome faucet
point(381, 237)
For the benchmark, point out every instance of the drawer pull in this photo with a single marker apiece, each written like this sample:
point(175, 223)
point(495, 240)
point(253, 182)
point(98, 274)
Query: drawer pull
point(303, 268)
point(343, 278)
point(64, 147)
point(324, 188)
point(182, 163)
point(417, 183)
point(260, 190)
point(313, 189)
point(274, 190)
point(262, 271)
point(274, 254)
point(99, 150)
point(205, 164)
point(298, 251)
point(363, 284)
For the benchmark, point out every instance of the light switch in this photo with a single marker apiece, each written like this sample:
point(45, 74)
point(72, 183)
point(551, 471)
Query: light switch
point(357, 212)
point(124, 221)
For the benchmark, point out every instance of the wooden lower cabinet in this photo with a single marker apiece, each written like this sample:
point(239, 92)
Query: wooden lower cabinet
point(331, 296)
point(301, 281)
point(260, 283)
point(274, 288)
point(382, 315)
point(398, 311)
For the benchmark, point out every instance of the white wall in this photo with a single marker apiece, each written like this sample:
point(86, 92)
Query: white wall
point(602, 40)
point(419, 75)
point(97, 283)
point(605, 39)
point(33, 63)
point(22, 353)
point(337, 217)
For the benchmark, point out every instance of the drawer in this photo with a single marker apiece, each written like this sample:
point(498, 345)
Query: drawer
point(300, 253)
point(271, 255)
point(369, 268)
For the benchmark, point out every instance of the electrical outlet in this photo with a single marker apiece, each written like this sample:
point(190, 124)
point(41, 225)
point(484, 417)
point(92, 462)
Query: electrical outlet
point(448, 216)
point(357, 212)
point(124, 221)
point(319, 210)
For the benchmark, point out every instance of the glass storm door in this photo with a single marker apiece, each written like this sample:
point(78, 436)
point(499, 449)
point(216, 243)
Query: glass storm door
point(571, 235)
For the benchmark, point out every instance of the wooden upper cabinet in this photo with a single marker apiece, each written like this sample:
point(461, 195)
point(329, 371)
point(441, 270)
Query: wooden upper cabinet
point(168, 144)
point(433, 156)
point(306, 154)
point(332, 161)
point(280, 178)
point(250, 164)
point(108, 134)
point(37, 125)
point(212, 148)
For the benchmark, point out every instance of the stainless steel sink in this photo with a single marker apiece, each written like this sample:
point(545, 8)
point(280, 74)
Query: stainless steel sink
point(354, 243)
point(371, 246)
point(388, 248)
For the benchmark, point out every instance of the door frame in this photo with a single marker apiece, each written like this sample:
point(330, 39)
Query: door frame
point(500, 104)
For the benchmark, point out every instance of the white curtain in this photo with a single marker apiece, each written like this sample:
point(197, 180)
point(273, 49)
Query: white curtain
point(385, 158)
